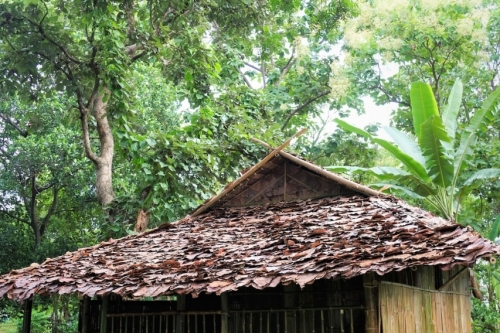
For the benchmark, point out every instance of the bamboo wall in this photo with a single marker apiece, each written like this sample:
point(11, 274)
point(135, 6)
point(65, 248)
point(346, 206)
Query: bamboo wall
point(414, 310)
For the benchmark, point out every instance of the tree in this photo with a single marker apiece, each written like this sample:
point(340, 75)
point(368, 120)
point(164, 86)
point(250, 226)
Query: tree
point(212, 51)
point(86, 48)
point(434, 166)
point(391, 44)
point(42, 171)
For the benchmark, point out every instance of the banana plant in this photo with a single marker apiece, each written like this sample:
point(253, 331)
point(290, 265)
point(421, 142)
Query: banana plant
point(433, 165)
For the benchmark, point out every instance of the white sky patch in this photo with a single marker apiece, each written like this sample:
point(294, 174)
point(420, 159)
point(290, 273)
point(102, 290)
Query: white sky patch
point(375, 114)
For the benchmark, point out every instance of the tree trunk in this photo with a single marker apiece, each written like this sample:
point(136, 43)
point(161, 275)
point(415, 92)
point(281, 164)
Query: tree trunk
point(104, 161)
point(105, 193)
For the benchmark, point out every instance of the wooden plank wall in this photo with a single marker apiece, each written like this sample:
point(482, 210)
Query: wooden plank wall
point(413, 310)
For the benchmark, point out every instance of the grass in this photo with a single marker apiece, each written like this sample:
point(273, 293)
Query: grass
point(8, 327)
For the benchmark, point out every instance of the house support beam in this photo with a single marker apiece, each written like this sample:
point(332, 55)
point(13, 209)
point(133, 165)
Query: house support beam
point(181, 308)
point(371, 300)
point(103, 327)
point(290, 302)
point(28, 306)
point(85, 314)
point(224, 297)
point(452, 279)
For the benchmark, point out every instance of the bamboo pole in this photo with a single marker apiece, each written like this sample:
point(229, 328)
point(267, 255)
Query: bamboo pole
point(247, 174)
point(327, 174)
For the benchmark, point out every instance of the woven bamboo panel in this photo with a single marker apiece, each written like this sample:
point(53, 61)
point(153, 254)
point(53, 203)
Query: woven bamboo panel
point(412, 310)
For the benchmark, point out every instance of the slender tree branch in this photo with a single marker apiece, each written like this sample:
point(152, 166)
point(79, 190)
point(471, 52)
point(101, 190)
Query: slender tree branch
point(288, 66)
point(300, 108)
point(86, 139)
point(252, 66)
point(52, 208)
point(56, 64)
point(13, 124)
point(138, 56)
point(12, 216)
point(379, 87)
point(53, 42)
point(32, 204)
point(245, 78)
point(40, 189)
point(264, 75)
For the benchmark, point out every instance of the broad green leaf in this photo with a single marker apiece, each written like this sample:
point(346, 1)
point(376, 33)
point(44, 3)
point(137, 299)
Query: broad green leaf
point(413, 166)
point(395, 187)
point(495, 230)
point(406, 144)
point(481, 118)
point(423, 105)
point(396, 178)
point(450, 114)
point(384, 173)
point(353, 129)
point(482, 175)
point(437, 160)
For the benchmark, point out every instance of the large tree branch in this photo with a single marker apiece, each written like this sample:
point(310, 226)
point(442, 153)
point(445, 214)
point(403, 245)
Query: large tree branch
point(303, 106)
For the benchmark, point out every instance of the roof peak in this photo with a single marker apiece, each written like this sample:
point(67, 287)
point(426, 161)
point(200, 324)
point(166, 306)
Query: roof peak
point(278, 152)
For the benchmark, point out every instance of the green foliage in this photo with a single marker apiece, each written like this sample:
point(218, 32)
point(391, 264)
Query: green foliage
point(440, 180)
point(40, 322)
point(486, 319)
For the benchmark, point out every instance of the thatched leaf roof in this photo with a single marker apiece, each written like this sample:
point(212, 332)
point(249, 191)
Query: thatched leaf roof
point(227, 248)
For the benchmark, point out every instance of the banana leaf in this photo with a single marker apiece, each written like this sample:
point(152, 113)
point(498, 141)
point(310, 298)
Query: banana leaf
point(423, 105)
point(450, 114)
point(438, 158)
point(413, 166)
point(481, 119)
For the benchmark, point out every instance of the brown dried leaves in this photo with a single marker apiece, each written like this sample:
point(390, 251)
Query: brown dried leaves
point(225, 249)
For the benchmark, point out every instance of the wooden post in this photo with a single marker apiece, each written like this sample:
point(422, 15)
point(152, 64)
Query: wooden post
point(28, 306)
point(225, 309)
point(290, 302)
point(85, 314)
point(181, 307)
point(371, 313)
point(104, 315)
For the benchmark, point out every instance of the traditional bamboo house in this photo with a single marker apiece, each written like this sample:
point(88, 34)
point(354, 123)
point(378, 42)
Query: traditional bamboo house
point(288, 247)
